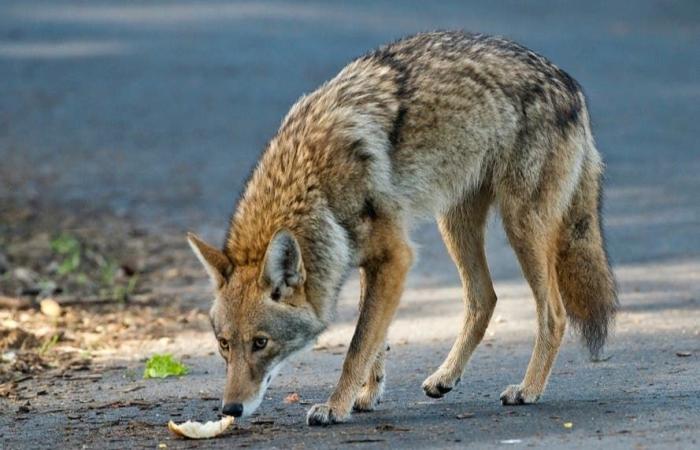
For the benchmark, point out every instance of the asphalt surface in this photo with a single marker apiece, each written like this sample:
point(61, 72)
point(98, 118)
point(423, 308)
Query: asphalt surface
point(158, 110)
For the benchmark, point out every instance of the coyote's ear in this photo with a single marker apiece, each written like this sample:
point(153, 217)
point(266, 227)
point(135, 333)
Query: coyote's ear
point(283, 267)
point(218, 266)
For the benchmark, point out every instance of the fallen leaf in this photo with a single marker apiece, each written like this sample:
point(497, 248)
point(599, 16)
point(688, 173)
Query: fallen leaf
point(683, 354)
point(17, 339)
point(11, 302)
point(7, 388)
point(292, 398)
point(50, 307)
point(8, 357)
point(568, 425)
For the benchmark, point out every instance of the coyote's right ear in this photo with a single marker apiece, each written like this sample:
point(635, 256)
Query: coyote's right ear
point(218, 266)
point(283, 267)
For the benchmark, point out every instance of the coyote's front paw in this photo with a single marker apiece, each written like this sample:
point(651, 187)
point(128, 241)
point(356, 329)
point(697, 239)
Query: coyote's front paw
point(369, 396)
point(322, 414)
point(439, 383)
point(515, 394)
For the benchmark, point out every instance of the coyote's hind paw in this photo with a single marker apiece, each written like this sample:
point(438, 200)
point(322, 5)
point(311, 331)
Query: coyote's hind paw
point(369, 397)
point(515, 394)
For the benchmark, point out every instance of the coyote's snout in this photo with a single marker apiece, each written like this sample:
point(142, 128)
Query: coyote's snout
point(442, 124)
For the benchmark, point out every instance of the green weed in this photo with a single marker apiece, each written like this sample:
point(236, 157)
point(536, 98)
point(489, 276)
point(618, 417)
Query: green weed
point(162, 366)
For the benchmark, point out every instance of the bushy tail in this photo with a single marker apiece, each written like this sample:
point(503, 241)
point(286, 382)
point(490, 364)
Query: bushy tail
point(585, 279)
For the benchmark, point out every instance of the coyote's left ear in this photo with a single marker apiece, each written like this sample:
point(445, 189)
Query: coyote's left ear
point(217, 264)
point(283, 267)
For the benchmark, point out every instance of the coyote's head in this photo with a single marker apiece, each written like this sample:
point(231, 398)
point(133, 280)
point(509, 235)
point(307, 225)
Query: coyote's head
point(260, 317)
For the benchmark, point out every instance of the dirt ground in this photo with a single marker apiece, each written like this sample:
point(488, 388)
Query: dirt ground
point(76, 373)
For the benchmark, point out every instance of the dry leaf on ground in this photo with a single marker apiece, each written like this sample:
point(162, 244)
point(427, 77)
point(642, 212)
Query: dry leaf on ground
point(292, 398)
point(50, 307)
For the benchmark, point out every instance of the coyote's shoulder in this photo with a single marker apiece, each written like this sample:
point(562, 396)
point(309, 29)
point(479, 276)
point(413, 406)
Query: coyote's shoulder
point(324, 144)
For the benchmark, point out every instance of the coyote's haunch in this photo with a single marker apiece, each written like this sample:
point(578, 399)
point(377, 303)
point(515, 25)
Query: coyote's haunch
point(442, 124)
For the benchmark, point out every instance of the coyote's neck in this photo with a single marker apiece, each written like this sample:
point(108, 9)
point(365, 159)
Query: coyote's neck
point(327, 260)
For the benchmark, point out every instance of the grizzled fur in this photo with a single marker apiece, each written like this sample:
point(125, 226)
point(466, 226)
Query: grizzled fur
point(441, 124)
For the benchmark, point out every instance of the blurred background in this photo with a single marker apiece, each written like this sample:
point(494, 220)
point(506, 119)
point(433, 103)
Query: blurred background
point(159, 109)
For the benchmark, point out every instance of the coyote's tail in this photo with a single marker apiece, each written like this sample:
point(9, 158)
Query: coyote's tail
point(585, 279)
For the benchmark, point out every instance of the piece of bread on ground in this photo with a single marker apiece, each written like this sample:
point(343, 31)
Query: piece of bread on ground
point(197, 430)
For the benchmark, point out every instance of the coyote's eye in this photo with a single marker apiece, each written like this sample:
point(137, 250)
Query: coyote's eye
point(223, 343)
point(259, 343)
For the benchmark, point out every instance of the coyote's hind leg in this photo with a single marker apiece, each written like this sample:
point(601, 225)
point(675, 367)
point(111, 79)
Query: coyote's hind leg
point(462, 230)
point(534, 241)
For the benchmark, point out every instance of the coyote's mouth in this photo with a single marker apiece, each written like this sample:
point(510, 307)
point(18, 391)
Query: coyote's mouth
point(250, 405)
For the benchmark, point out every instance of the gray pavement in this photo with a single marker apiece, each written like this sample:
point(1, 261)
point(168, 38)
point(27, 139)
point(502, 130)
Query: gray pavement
point(158, 110)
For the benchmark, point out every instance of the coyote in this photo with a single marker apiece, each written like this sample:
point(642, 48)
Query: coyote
point(442, 124)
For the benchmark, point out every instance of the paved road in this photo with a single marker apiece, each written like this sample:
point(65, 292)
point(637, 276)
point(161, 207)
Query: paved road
point(159, 110)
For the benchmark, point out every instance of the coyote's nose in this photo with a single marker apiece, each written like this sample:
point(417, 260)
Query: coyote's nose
point(233, 409)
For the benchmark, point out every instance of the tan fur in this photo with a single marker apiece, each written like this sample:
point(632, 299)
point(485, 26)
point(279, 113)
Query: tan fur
point(373, 387)
point(386, 261)
point(462, 229)
point(439, 124)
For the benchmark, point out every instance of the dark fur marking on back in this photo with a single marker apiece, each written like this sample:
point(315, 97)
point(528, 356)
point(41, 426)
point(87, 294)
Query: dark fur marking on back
point(487, 83)
point(571, 85)
point(387, 56)
point(532, 93)
point(399, 121)
point(569, 109)
point(568, 115)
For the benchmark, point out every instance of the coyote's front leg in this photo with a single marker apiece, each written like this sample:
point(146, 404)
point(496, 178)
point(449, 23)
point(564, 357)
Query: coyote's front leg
point(373, 387)
point(385, 266)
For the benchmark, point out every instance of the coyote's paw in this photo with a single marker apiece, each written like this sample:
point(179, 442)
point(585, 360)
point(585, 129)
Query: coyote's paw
point(369, 397)
point(439, 383)
point(515, 394)
point(322, 414)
